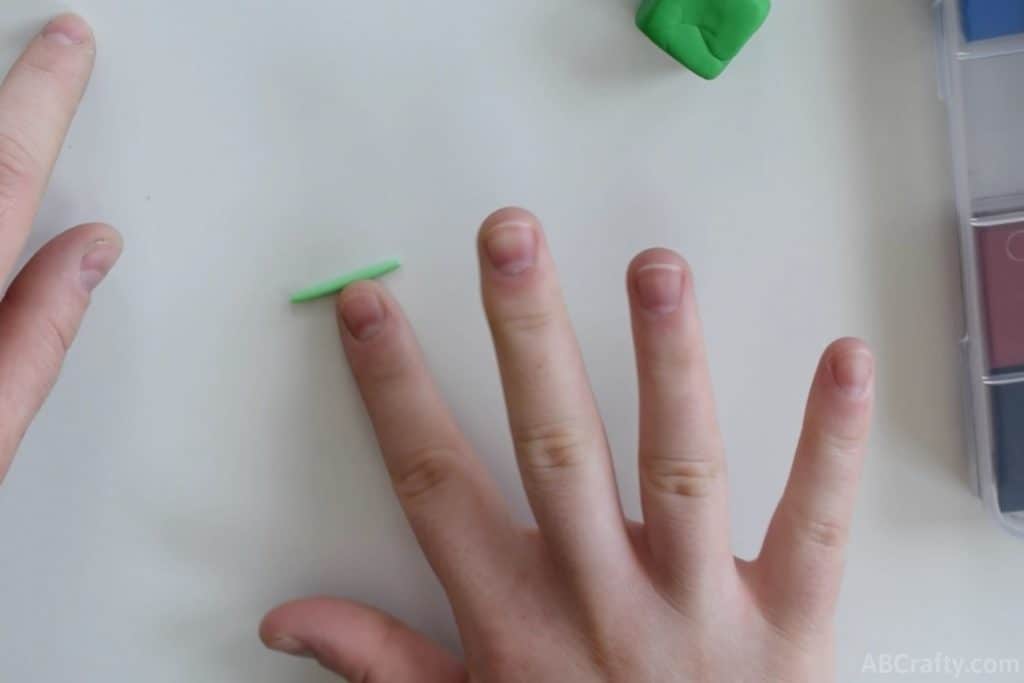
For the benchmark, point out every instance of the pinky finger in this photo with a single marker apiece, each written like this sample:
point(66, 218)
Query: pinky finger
point(801, 564)
point(357, 642)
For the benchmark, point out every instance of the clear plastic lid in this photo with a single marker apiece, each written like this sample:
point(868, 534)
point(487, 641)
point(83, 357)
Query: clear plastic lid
point(981, 75)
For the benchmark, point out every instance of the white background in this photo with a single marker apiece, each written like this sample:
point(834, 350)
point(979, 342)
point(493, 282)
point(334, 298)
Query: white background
point(206, 456)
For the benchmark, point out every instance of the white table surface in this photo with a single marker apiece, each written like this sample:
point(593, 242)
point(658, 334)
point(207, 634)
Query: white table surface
point(206, 455)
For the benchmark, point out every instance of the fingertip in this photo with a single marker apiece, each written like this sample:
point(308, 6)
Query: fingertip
point(69, 29)
point(840, 400)
point(91, 250)
point(97, 232)
point(851, 367)
point(657, 256)
point(656, 279)
point(509, 242)
point(289, 617)
point(98, 247)
point(848, 345)
point(355, 641)
point(509, 214)
point(271, 626)
point(108, 232)
point(362, 310)
point(268, 629)
point(358, 289)
point(275, 634)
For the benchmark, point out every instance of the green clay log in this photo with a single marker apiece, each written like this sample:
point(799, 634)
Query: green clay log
point(336, 285)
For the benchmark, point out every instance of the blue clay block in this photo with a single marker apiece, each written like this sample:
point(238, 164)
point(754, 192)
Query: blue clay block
point(985, 19)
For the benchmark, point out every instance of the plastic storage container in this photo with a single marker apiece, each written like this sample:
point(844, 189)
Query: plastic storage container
point(981, 79)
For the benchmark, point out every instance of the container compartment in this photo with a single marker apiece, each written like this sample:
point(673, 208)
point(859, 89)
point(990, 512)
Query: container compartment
point(993, 93)
point(1000, 253)
point(1007, 409)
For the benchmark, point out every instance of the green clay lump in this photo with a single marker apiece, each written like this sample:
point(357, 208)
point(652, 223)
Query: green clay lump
point(703, 35)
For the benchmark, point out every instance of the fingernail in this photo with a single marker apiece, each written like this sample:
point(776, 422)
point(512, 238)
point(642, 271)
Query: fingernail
point(511, 247)
point(853, 372)
point(97, 262)
point(67, 30)
point(659, 287)
point(362, 314)
point(289, 646)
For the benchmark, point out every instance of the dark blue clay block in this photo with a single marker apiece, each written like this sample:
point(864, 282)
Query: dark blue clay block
point(992, 18)
point(1008, 417)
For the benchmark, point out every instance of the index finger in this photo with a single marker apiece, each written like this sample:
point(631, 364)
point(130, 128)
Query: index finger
point(38, 100)
point(449, 498)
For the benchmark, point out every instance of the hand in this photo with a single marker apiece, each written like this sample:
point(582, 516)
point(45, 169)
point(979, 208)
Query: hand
point(590, 596)
point(41, 310)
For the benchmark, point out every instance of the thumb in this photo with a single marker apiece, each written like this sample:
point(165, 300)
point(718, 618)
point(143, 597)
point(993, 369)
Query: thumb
point(358, 642)
point(39, 317)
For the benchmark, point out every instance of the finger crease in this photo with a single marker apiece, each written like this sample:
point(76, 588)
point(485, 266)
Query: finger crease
point(16, 162)
point(552, 447)
point(527, 322)
point(820, 531)
point(680, 475)
point(424, 471)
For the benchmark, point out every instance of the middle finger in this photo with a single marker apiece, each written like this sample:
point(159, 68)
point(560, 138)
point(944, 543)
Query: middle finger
point(559, 438)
